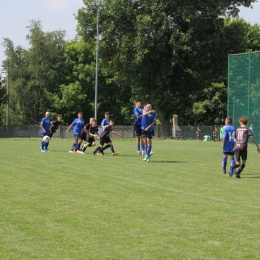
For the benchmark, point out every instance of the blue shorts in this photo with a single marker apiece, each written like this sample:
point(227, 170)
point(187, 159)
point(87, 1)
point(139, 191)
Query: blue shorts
point(77, 137)
point(148, 135)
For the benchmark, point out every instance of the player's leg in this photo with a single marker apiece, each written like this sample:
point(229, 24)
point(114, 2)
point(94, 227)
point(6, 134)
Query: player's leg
point(233, 163)
point(237, 164)
point(102, 142)
point(74, 145)
point(145, 144)
point(43, 144)
point(243, 165)
point(149, 146)
point(224, 163)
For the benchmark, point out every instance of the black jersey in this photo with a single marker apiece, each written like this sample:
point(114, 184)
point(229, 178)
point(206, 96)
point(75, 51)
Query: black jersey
point(55, 125)
point(93, 129)
point(106, 131)
point(241, 136)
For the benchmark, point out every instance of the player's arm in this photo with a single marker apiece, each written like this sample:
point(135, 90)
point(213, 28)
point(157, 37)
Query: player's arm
point(149, 126)
point(223, 143)
point(148, 112)
point(41, 125)
point(116, 133)
point(255, 142)
point(69, 128)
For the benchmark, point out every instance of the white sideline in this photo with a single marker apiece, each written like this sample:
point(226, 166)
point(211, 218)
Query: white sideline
point(180, 191)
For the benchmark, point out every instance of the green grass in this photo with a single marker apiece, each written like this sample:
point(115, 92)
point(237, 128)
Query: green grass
point(178, 206)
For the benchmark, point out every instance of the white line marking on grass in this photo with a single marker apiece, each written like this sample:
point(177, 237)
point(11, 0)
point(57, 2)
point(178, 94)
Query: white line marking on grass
point(180, 191)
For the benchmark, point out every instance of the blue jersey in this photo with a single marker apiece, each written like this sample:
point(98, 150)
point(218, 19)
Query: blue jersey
point(138, 112)
point(46, 124)
point(147, 120)
point(104, 123)
point(78, 125)
point(229, 136)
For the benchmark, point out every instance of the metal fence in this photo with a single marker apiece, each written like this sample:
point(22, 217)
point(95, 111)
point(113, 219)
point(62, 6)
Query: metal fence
point(187, 132)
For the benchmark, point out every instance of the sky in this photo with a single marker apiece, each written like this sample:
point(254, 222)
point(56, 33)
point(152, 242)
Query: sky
point(15, 16)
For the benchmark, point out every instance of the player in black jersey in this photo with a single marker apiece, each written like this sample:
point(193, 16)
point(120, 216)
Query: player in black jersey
point(91, 133)
point(105, 139)
point(86, 131)
point(241, 137)
point(55, 125)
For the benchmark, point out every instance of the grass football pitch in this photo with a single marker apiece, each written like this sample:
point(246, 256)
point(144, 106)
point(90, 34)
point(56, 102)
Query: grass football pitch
point(59, 205)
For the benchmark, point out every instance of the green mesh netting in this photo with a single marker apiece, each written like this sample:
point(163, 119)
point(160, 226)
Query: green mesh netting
point(244, 89)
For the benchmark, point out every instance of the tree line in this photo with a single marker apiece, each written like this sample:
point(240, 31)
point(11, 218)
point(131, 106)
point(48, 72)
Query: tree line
point(172, 54)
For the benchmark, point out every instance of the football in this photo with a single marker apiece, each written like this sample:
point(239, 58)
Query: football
point(46, 139)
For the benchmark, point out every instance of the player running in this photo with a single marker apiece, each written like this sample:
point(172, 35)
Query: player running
point(241, 137)
point(105, 139)
point(92, 132)
point(78, 125)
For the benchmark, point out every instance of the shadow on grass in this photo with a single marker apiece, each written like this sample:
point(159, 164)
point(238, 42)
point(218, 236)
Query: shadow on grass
point(255, 177)
point(169, 161)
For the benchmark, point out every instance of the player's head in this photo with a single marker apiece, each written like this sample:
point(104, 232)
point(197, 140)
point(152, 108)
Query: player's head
point(47, 114)
point(59, 116)
point(137, 103)
point(91, 119)
point(112, 122)
point(80, 114)
point(106, 114)
point(148, 107)
point(243, 120)
point(228, 121)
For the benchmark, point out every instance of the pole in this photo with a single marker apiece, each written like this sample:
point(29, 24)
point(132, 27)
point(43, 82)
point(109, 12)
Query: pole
point(96, 81)
point(7, 101)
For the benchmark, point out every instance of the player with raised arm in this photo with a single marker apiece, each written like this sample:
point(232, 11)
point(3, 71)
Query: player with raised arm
point(228, 143)
point(241, 137)
point(105, 139)
point(148, 122)
point(138, 114)
point(55, 125)
point(78, 125)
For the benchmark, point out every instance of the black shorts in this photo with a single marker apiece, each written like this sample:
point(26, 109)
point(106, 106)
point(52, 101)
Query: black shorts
point(241, 154)
point(90, 140)
point(138, 130)
point(105, 140)
point(148, 135)
point(84, 136)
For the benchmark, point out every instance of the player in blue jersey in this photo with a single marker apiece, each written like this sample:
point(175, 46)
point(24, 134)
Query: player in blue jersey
point(105, 121)
point(78, 125)
point(138, 114)
point(148, 122)
point(45, 130)
point(228, 144)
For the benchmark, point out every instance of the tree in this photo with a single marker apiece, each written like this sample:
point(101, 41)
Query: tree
point(35, 74)
point(165, 51)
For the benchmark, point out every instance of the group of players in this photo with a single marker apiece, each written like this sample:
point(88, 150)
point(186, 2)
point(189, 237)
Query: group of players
point(234, 141)
point(144, 122)
point(234, 144)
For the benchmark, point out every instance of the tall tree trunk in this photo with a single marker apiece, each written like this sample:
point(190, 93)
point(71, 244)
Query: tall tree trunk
point(164, 121)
